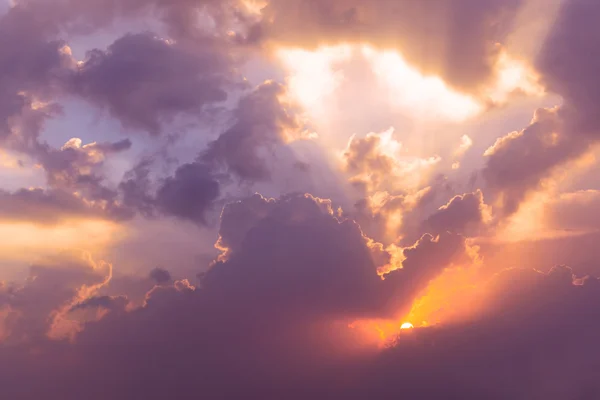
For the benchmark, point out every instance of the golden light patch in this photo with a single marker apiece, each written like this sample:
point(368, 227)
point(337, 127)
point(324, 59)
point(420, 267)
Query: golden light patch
point(513, 75)
point(386, 167)
point(450, 297)
point(378, 332)
point(382, 333)
point(427, 96)
point(8, 161)
point(26, 242)
point(312, 75)
point(465, 144)
point(254, 6)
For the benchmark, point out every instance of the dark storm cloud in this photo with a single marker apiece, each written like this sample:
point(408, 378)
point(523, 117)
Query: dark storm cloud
point(453, 39)
point(145, 81)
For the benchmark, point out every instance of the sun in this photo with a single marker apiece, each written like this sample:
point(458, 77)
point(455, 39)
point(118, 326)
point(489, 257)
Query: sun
point(406, 325)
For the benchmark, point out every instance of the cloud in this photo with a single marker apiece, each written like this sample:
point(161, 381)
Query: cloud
point(453, 39)
point(536, 327)
point(372, 155)
point(275, 236)
point(76, 188)
point(273, 316)
point(465, 214)
point(573, 211)
point(145, 81)
point(39, 306)
point(518, 163)
point(160, 276)
point(263, 120)
point(465, 144)
point(569, 67)
point(270, 321)
point(181, 18)
point(425, 260)
point(189, 193)
point(107, 302)
point(376, 163)
point(295, 246)
point(386, 217)
point(53, 206)
point(32, 69)
point(77, 166)
point(275, 309)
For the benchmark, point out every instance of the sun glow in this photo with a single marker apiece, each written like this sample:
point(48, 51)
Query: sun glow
point(427, 96)
point(406, 325)
point(378, 332)
point(513, 75)
point(314, 76)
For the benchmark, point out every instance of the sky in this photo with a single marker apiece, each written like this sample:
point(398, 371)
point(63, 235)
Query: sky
point(299, 199)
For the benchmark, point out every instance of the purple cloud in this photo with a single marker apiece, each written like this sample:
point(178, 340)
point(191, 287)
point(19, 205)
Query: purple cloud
point(145, 81)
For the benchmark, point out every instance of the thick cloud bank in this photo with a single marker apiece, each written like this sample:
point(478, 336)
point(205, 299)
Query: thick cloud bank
point(271, 319)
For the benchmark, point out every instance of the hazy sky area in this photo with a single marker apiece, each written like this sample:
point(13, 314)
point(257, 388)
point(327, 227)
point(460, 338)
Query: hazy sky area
point(299, 199)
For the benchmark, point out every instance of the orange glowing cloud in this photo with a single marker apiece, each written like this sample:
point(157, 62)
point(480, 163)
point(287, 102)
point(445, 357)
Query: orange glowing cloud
point(382, 333)
point(449, 298)
point(26, 242)
point(63, 325)
point(378, 163)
